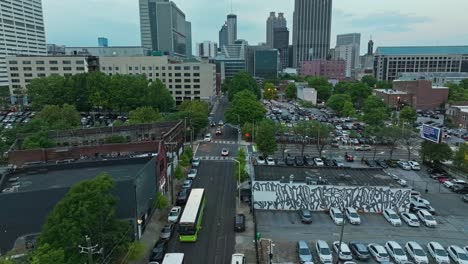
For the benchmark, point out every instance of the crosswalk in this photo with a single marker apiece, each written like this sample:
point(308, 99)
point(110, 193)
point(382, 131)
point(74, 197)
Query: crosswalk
point(228, 142)
point(215, 158)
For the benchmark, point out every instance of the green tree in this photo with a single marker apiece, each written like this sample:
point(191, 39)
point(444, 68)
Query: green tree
point(359, 92)
point(46, 254)
point(88, 208)
point(323, 87)
point(60, 118)
point(266, 141)
point(52, 90)
point(115, 139)
point(161, 202)
point(384, 85)
point(240, 82)
point(304, 131)
point(270, 92)
point(392, 135)
point(348, 109)
point(247, 107)
point(160, 97)
point(435, 153)
point(136, 251)
point(341, 87)
point(337, 101)
point(375, 111)
point(144, 115)
point(242, 158)
point(179, 173)
point(321, 133)
point(370, 80)
point(282, 131)
point(409, 140)
point(196, 112)
point(408, 115)
point(291, 91)
point(460, 158)
point(38, 140)
point(247, 128)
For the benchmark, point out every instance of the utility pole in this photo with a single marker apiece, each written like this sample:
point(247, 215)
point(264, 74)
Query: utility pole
point(89, 249)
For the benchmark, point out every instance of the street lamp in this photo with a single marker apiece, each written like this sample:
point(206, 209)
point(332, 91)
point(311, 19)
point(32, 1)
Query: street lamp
point(341, 236)
point(238, 181)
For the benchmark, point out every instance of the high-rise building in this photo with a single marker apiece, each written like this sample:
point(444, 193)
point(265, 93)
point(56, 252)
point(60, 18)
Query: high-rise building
point(266, 63)
point(163, 27)
point(370, 47)
point(281, 43)
point(231, 60)
point(272, 23)
point(231, 28)
point(250, 56)
point(223, 36)
point(207, 49)
point(311, 30)
point(103, 42)
point(22, 32)
point(347, 48)
point(53, 49)
point(188, 35)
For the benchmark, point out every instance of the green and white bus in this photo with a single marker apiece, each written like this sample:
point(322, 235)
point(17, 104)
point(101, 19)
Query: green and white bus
point(191, 220)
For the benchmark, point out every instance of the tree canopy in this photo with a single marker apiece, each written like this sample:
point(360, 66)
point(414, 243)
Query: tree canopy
point(144, 115)
point(270, 92)
point(196, 113)
point(375, 111)
point(369, 80)
point(460, 158)
point(323, 87)
point(88, 209)
point(245, 105)
point(435, 153)
point(265, 140)
point(408, 115)
point(60, 118)
point(159, 97)
point(240, 82)
point(291, 91)
point(337, 101)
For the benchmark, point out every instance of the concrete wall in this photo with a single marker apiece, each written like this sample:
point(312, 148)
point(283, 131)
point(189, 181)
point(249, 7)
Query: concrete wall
point(286, 196)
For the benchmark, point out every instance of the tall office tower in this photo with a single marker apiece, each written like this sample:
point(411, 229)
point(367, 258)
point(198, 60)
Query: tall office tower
point(232, 28)
point(188, 35)
point(223, 36)
point(22, 32)
point(207, 49)
point(347, 48)
point(281, 43)
point(103, 42)
point(163, 28)
point(311, 30)
point(272, 23)
point(370, 47)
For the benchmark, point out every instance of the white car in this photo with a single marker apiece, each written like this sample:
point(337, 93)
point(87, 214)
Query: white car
point(270, 161)
point(260, 160)
point(416, 252)
point(352, 216)
point(396, 252)
point(414, 165)
point(196, 162)
point(448, 184)
point(402, 182)
point(378, 252)
point(392, 217)
point(458, 254)
point(336, 215)
point(438, 252)
point(323, 251)
point(174, 214)
point(192, 174)
point(418, 199)
point(345, 252)
point(225, 152)
point(318, 162)
point(427, 218)
point(207, 137)
point(404, 165)
point(410, 219)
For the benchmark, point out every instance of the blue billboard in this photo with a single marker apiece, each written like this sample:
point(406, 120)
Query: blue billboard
point(431, 133)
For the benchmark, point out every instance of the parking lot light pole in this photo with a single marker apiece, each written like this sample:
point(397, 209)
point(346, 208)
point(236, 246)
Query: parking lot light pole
point(341, 237)
point(238, 182)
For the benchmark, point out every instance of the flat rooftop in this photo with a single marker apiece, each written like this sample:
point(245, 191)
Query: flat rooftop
point(390, 91)
point(333, 176)
point(55, 176)
point(422, 50)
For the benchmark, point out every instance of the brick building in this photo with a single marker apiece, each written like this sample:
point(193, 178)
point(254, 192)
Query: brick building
point(419, 94)
point(331, 69)
point(458, 114)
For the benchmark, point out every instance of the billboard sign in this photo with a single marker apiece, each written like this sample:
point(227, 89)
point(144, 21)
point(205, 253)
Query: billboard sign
point(431, 133)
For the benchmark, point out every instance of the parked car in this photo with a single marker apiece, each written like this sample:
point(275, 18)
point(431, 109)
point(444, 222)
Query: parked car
point(465, 198)
point(336, 215)
point(299, 161)
point(182, 197)
point(414, 165)
point(239, 223)
point(225, 152)
point(319, 162)
point(404, 165)
point(396, 252)
point(359, 250)
point(415, 207)
point(167, 231)
point(159, 250)
point(323, 251)
point(438, 252)
point(220, 123)
point(416, 252)
point(304, 253)
point(418, 199)
point(260, 160)
point(392, 217)
point(353, 216)
point(458, 254)
point(270, 161)
point(192, 174)
point(370, 163)
point(289, 161)
point(309, 160)
point(174, 214)
point(328, 162)
point(348, 157)
point(410, 219)
point(305, 215)
point(378, 252)
point(381, 163)
point(338, 163)
point(196, 162)
point(187, 184)
point(363, 148)
point(426, 218)
point(460, 189)
point(344, 251)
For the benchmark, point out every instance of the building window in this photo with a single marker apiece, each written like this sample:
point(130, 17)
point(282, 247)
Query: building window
point(170, 74)
point(178, 92)
point(164, 74)
point(157, 74)
point(40, 68)
point(54, 68)
point(186, 80)
point(27, 69)
point(177, 68)
point(178, 86)
point(53, 62)
point(14, 75)
point(187, 86)
point(157, 68)
point(170, 80)
point(150, 68)
point(13, 62)
point(66, 62)
point(67, 68)
point(196, 80)
point(187, 92)
point(116, 68)
point(39, 62)
point(110, 68)
point(13, 68)
point(41, 75)
point(196, 68)
point(80, 68)
point(28, 75)
point(26, 62)
point(178, 80)
point(177, 74)
point(196, 74)
point(196, 92)
point(103, 68)
point(79, 62)
point(130, 68)
point(163, 68)
point(150, 74)
point(196, 86)
point(15, 80)
point(136, 68)
point(27, 80)
point(169, 68)
point(187, 68)
point(143, 68)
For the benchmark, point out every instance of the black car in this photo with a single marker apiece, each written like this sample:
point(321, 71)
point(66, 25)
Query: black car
point(239, 223)
point(299, 161)
point(370, 163)
point(182, 197)
point(359, 250)
point(289, 161)
point(159, 250)
point(435, 170)
point(382, 163)
point(461, 189)
point(309, 160)
point(280, 162)
point(328, 162)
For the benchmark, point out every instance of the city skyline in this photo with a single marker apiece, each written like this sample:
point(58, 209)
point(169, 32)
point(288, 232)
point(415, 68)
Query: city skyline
point(118, 20)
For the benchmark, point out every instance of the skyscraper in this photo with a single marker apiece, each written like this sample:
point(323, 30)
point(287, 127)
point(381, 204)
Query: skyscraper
point(163, 27)
point(370, 47)
point(188, 38)
point(311, 30)
point(272, 23)
point(346, 39)
point(103, 42)
point(347, 48)
point(22, 31)
point(207, 49)
point(231, 28)
point(281, 43)
point(223, 35)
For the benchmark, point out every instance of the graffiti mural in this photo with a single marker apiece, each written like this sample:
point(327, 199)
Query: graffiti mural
point(286, 196)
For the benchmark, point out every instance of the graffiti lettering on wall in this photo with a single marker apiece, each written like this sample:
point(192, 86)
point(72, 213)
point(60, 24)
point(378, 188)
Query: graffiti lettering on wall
point(284, 196)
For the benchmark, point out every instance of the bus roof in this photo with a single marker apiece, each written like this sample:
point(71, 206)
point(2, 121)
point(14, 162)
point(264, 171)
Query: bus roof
point(173, 258)
point(191, 208)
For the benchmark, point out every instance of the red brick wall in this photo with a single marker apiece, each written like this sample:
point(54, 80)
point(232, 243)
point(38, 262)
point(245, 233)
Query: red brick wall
point(424, 96)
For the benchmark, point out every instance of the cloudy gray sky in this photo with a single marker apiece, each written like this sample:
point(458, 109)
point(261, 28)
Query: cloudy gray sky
point(396, 22)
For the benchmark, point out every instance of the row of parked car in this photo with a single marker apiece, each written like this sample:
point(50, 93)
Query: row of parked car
point(390, 251)
point(442, 176)
point(305, 160)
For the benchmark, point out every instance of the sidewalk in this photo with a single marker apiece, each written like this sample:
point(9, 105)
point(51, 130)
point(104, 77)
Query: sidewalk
point(245, 241)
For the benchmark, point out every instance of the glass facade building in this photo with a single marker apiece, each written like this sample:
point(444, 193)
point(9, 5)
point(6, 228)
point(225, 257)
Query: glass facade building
point(266, 63)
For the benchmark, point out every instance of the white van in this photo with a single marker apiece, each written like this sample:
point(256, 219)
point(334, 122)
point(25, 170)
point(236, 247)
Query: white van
point(207, 137)
point(238, 258)
point(173, 258)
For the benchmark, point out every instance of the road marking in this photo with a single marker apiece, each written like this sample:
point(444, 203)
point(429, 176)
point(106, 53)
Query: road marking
point(196, 149)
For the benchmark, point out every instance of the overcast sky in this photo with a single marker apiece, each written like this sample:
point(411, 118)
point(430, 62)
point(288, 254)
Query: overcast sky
point(391, 23)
